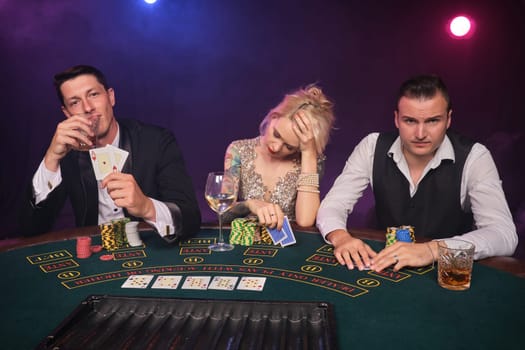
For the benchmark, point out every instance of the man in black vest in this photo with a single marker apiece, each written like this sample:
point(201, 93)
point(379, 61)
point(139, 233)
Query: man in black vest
point(153, 185)
point(425, 176)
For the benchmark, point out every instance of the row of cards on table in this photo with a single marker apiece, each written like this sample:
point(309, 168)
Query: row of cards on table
point(195, 282)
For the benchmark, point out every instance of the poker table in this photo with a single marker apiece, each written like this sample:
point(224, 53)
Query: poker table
point(44, 282)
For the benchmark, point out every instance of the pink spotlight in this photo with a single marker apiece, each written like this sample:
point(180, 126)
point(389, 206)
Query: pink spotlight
point(461, 27)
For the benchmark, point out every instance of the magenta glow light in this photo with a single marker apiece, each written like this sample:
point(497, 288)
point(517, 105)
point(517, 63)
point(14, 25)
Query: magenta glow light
point(461, 27)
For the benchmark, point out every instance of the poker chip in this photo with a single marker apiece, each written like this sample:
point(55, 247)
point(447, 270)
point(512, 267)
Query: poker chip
point(390, 237)
point(106, 257)
point(246, 231)
point(399, 234)
point(403, 235)
point(83, 247)
point(96, 248)
point(113, 234)
point(410, 231)
point(265, 236)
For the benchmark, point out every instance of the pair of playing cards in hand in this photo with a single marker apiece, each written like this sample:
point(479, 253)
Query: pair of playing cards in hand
point(284, 236)
point(196, 282)
point(106, 160)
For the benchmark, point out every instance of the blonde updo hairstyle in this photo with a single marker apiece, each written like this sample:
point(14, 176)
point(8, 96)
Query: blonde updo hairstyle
point(315, 106)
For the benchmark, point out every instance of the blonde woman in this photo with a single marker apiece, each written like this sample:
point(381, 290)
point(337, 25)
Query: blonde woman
point(279, 170)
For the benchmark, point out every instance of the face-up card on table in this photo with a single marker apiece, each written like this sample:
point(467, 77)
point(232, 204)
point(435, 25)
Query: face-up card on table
point(196, 282)
point(290, 237)
point(223, 283)
point(167, 282)
point(137, 281)
point(252, 283)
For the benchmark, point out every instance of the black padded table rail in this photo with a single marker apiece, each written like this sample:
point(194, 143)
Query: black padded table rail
point(112, 322)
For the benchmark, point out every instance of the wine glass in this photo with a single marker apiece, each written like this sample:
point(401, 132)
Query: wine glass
point(221, 194)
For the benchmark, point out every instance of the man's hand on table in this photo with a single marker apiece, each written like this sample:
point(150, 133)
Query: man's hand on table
point(401, 254)
point(351, 251)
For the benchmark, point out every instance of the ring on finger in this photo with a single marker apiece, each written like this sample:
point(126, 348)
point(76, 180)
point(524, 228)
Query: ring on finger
point(272, 214)
point(396, 259)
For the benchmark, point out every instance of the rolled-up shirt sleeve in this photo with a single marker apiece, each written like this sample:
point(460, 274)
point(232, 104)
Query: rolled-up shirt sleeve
point(482, 194)
point(348, 187)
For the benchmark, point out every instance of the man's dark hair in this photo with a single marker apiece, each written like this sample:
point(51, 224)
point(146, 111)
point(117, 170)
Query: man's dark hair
point(73, 72)
point(424, 87)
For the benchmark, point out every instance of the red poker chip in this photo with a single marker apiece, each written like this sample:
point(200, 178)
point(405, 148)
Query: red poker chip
point(84, 241)
point(96, 248)
point(106, 257)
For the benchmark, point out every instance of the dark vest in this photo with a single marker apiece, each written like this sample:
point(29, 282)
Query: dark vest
point(435, 210)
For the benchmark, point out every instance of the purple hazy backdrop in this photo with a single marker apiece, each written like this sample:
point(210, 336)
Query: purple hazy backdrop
point(210, 70)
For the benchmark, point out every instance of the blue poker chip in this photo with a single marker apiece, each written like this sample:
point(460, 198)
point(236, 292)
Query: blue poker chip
point(403, 235)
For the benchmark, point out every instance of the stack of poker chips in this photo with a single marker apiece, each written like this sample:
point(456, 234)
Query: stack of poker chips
point(83, 247)
point(113, 234)
point(400, 234)
point(246, 231)
point(132, 233)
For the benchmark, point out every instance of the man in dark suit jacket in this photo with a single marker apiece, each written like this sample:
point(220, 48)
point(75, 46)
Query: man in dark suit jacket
point(153, 185)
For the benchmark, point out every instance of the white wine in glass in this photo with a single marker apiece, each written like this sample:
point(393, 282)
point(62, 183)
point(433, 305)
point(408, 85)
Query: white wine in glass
point(221, 194)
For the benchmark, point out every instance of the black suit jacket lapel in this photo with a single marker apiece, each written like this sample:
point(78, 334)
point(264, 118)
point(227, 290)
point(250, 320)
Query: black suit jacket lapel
point(89, 189)
point(125, 144)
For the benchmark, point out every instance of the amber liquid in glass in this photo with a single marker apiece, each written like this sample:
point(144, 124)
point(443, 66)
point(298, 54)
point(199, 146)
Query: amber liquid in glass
point(454, 278)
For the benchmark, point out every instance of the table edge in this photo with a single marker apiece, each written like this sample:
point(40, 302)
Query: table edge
point(504, 263)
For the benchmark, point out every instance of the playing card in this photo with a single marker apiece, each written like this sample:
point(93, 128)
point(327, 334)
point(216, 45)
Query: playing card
point(223, 283)
point(167, 282)
point(252, 283)
point(196, 282)
point(137, 281)
point(119, 155)
point(290, 237)
point(103, 162)
point(276, 235)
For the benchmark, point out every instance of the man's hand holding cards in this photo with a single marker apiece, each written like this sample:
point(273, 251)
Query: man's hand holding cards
point(106, 160)
point(122, 188)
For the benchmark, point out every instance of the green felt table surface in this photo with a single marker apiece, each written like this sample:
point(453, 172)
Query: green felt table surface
point(42, 285)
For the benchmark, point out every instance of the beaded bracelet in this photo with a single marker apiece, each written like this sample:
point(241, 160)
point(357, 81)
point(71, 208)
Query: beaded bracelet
point(311, 179)
point(307, 190)
point(300, 189)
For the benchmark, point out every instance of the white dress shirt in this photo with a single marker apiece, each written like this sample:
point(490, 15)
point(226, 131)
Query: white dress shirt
point(45, 181)
point(481, 193)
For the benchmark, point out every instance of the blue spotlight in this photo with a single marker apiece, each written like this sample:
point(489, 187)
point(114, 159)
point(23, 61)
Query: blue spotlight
point(150, 1)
